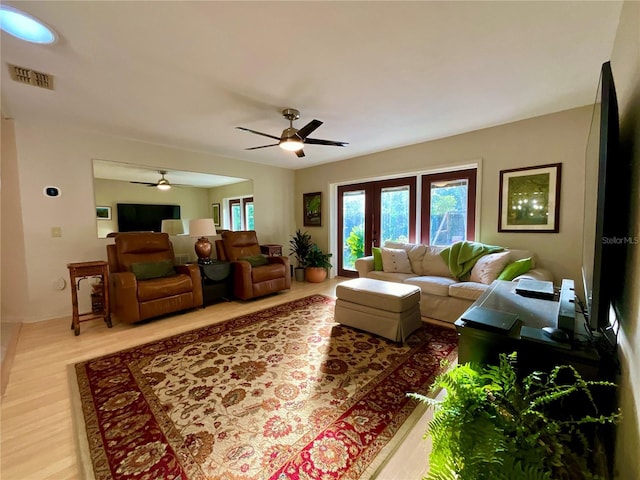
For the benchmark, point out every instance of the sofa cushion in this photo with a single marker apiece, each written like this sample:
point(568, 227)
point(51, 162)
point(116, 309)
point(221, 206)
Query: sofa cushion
point(377, 259)
point(467, 290)
point(520, 254)
point(488, 267)
point(433, 285)
point(389, 276)
point(516, 268)
point(395, 260)
point(416, 254)
point(433, 264)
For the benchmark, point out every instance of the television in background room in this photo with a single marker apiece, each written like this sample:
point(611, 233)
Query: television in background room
point(139, 217)
point(605, 224)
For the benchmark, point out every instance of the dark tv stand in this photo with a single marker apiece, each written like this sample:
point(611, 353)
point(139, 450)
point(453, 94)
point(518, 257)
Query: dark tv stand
point(535, 350)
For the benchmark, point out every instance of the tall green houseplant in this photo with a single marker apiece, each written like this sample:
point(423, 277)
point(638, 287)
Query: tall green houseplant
point(300, 246)
point(493, 426)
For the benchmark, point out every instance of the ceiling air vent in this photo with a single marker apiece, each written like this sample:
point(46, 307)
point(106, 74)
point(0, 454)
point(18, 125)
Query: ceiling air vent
point(31, 77)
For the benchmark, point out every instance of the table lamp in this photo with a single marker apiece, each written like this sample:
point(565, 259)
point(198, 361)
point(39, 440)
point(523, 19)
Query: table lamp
point(172, 226)
point(202, 228)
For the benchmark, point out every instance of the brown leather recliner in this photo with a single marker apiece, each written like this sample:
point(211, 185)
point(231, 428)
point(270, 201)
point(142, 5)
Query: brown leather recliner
point(248, 281)
point(133, 300)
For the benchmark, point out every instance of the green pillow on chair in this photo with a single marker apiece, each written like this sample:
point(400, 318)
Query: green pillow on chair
point(377, 258)
point(516, 268)
point(256, 260)
point(149, 270)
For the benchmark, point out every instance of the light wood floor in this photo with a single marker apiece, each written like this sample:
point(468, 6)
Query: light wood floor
point(37, 441)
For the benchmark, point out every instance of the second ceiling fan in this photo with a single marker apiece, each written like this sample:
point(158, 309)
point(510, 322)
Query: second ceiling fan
point(293, 139)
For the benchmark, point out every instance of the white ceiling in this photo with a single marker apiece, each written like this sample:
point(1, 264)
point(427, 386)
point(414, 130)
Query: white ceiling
point(379, 74)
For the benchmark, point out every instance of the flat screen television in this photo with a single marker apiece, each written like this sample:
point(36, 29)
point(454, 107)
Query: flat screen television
point(140, 217)
point(604, 210)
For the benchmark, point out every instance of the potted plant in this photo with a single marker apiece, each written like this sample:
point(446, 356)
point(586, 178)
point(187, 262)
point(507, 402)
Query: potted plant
point(493, 425)
point(300, 244)
point(317, 265)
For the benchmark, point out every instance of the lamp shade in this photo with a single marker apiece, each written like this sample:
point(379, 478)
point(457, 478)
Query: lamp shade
point(172, 226)
point(202, 227)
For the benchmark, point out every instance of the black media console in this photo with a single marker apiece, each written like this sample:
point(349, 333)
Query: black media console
point(536, 349)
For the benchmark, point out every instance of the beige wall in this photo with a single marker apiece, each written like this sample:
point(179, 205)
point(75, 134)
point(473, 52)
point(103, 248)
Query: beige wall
point(556, 138)
point(13, 258)
point(625, 64)
point(50, 155)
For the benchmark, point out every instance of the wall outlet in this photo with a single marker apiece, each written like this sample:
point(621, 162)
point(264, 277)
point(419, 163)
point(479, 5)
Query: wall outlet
point(56, 232)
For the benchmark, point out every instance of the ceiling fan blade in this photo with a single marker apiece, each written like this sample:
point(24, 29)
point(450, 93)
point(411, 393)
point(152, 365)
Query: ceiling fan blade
point(262, 146)
point(258, 133)
point(300, 153)
point(308, 128)
point(318, 141)
point(148, 184)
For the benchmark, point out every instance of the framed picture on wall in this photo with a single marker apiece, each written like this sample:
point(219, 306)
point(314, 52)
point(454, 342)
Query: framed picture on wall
point(530, 199)
point(216, 214)
point(312, 209)
point(103, 213)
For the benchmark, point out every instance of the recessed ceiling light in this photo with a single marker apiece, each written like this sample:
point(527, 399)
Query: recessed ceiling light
point(24, 26)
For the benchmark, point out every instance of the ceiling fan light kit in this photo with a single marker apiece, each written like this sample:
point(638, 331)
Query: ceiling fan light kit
point(163, 183)
point(292, 139)
point(25, 27)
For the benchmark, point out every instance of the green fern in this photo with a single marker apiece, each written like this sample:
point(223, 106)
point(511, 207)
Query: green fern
point(491, 425)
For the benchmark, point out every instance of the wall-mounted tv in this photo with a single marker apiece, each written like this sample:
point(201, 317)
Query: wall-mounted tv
point(140, 217)
point(604, 221)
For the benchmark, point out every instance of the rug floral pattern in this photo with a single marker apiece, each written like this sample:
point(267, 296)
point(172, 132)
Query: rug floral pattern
point(284, 393)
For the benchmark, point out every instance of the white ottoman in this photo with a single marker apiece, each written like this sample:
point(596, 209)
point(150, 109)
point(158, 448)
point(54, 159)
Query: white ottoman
point(388, 309)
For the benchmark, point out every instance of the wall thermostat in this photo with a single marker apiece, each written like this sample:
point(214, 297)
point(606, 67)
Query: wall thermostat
point(52, 192)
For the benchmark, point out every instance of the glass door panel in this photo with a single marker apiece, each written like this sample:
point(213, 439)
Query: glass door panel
point(353, 227)
point(394, 216)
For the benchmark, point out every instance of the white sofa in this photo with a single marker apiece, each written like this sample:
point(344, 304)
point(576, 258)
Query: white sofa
point(444, 297)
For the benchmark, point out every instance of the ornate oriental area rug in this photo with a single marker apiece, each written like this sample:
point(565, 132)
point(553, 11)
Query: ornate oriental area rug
point(283, 393)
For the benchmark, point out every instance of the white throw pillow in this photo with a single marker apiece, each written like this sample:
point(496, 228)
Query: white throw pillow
point(395, 260)
point(487, 269)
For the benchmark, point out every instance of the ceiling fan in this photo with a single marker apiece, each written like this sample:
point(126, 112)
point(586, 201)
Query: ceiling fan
point(161, 184)
point(293, 139)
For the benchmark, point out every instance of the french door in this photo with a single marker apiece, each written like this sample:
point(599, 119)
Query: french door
point(372, 213)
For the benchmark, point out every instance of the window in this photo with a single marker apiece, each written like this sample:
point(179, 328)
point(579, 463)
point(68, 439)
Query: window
point(448, 207)
point(241, 213)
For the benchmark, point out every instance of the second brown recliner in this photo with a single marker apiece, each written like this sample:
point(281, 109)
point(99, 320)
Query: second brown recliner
point(250, 279)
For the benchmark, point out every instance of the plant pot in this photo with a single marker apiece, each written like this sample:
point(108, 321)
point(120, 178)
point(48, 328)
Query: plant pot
point(299, 274)
point(315, 274)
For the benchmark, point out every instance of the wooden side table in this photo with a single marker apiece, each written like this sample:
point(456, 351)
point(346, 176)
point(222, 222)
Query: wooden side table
point(271, 249)
point(100, 306)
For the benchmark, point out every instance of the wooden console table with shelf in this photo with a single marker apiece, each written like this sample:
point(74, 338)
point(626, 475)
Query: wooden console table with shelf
point(100, 298)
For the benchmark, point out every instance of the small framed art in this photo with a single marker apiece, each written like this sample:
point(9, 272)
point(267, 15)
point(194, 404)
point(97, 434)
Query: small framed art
point(312, 209)
point(216, 214)
point(103, 213)
point(530, 199)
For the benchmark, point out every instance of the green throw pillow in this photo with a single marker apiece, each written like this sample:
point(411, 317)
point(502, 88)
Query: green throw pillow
point(149, 270)
point(516, 268)
point(377, 258)
point(256, 260)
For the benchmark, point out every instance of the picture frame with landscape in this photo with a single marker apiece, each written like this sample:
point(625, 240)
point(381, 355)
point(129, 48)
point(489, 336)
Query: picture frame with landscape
point(103, 213)
point(530, 199)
